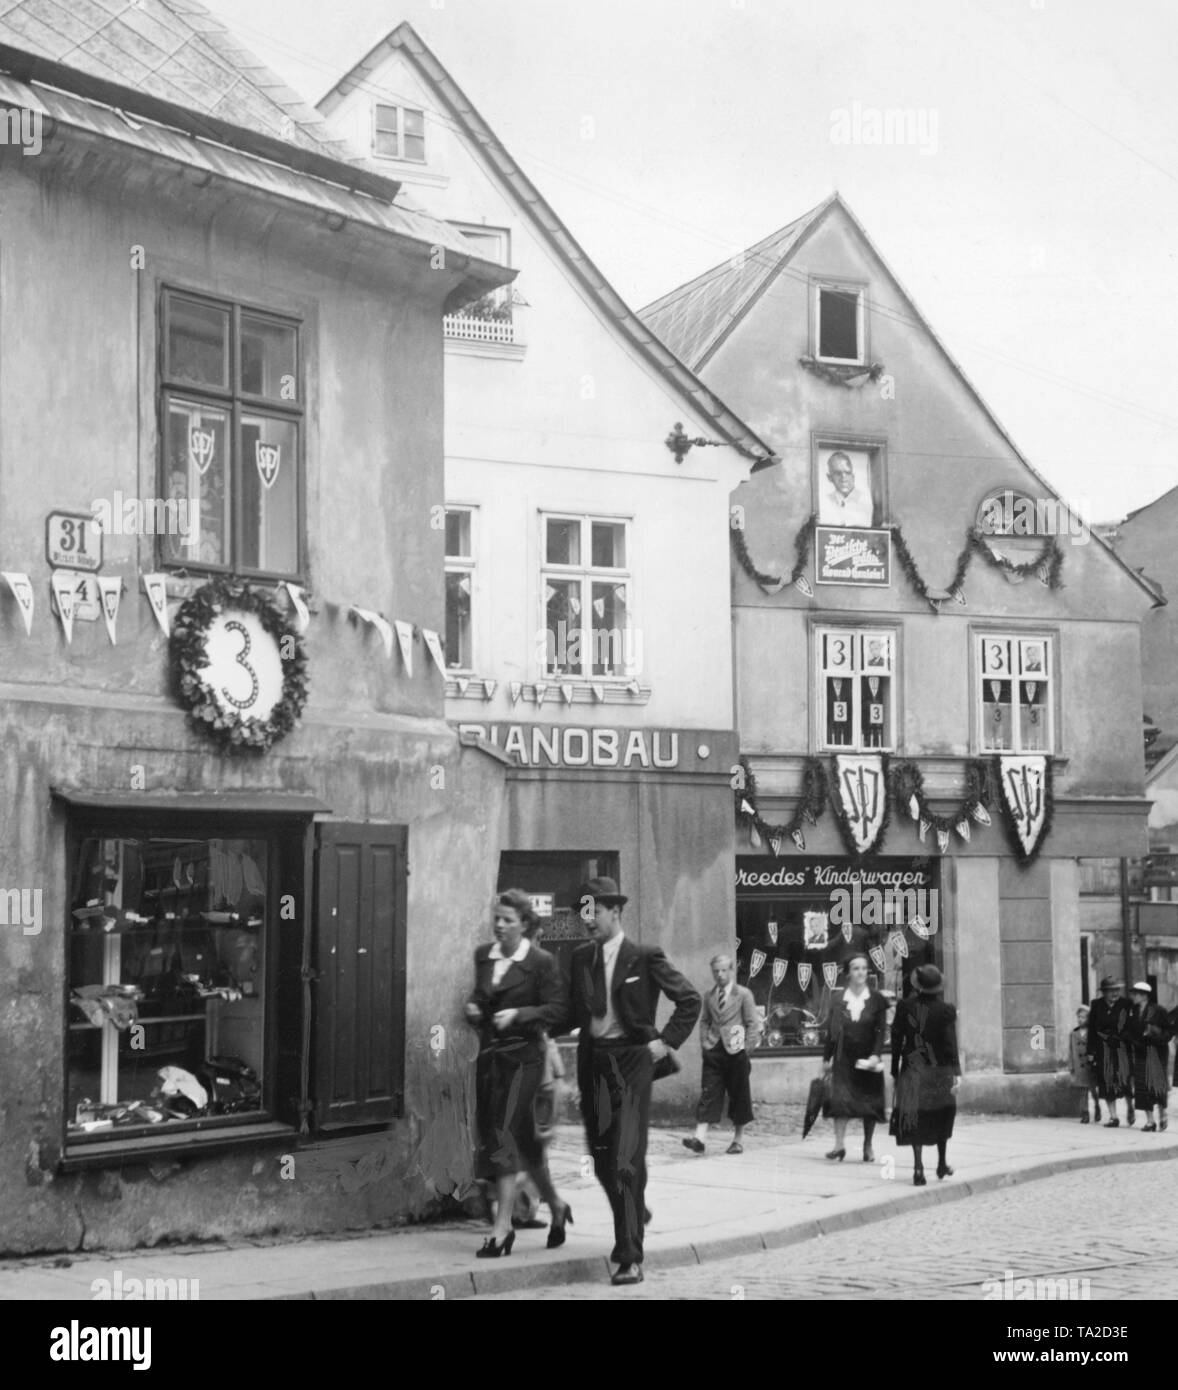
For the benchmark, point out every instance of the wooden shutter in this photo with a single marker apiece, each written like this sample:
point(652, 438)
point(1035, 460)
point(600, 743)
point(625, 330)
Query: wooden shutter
point(359, 1015)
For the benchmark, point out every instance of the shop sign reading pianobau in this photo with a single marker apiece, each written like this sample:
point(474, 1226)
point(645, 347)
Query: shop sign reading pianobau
point(574, 746)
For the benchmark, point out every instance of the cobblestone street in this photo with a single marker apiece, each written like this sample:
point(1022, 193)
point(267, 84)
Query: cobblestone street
point(1099, 1224)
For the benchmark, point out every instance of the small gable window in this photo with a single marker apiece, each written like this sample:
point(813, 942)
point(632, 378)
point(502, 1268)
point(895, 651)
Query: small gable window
point(398, 132)
point(839, 324)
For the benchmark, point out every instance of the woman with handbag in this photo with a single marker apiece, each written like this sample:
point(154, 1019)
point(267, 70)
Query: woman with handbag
point(518, 993)
point(858, 1025)
point(1148, 1032)
point(926, 1067)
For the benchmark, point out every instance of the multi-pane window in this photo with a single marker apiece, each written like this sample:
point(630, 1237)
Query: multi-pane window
point(585, 584)
point(838, 323)
point(1015, 693)
point(231, 410)
point(856, 696)
point(459, 587)
point(398, 132)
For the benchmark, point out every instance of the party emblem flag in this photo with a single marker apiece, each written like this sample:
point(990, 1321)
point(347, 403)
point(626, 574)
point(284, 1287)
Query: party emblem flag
point(268, 457)
point(757, 960)
point(302, 612)
point(920, 927)
point(804, 972)
point(779, 969)
point(110, 590)
point(64, 582)
point(775, 844)
point(877, 957)
point(798, 838)
point(517, 689)
point(898, 944)
point(381, 624)
point(22, 591)
point(773, 932)
point(1025, 791)
point(200, 449)
point(863, 797)
point(942, 840)
point(848, 932)
point(830, 973)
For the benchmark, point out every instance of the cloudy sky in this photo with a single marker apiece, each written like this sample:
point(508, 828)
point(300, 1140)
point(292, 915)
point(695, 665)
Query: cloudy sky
point(1033, 221)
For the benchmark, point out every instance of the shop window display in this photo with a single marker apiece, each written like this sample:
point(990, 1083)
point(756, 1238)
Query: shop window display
point(167, 947)
point(797, 926)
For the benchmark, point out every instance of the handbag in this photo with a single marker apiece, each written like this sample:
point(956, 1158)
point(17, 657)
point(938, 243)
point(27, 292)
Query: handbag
point(545, 1103)
point(666, 1066)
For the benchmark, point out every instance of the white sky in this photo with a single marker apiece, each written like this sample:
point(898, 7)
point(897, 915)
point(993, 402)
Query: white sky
point(1038, 239)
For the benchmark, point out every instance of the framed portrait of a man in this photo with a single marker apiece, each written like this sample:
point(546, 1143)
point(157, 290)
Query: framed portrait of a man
point(848, 484)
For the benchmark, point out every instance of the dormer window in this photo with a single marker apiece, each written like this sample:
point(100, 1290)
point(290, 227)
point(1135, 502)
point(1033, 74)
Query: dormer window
point(838, 324)
point(398, 132)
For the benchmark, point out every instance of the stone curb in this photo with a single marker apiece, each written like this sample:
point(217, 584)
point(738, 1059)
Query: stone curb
point(500, 1279)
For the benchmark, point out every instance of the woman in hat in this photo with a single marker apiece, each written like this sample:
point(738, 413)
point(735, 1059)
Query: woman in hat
point(854, 1045)
point(518, 993)
point(1108, 1046)
point(1149, 1034)
point(925, 1066)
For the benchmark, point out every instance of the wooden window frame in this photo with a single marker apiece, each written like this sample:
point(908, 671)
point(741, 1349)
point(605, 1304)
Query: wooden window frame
point(857, 288)
point(1015, 636)
point(466, 565)
point(855, 632)
point(586, 574)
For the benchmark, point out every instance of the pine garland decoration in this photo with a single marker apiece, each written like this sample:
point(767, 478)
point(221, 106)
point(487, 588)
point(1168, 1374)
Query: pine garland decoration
point(811, 804)
point(908, 794)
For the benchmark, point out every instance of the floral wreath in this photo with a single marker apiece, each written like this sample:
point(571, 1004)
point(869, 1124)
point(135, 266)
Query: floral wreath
point(190, 657)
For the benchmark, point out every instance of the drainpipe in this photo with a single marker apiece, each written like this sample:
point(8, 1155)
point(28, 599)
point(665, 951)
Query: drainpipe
point(1127, 949)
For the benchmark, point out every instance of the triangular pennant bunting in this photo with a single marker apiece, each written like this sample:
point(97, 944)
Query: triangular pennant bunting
point(567, 691)
point(517, 689)
point(879, 960)
point(156, 587)
point(22, 590)
point(433, 645)
point(405, 642)
point(756, 961)
point(65, 595)
point(382, 625)
point(489, 688)
point(1025, 780)
point(302, 612)
point(805, 970)
point(780, 967)
point(110, 592)
point(798, 838)
point(830, 973)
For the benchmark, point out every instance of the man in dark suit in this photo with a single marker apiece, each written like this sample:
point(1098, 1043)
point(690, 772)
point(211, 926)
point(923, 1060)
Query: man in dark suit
point(614, 992)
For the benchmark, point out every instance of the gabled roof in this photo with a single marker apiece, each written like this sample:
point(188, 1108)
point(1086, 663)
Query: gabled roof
point(1149, 506)
point(516, 185)
point(701, 299)
point(694, 319)
point(175, 50)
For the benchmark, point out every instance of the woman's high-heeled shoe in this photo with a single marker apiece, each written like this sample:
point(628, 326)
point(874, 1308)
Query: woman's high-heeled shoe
point(919, 1179)
point(556, 1232)
point(840, 1154)
point(944, 1171)
point(492, 1251)
point(868, 1154)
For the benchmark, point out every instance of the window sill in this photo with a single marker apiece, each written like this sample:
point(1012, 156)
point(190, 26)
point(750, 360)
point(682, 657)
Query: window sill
point(187, 1143)
point(610, 690)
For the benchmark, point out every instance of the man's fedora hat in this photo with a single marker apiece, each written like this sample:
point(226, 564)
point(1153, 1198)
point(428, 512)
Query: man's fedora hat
point(928, 979)
point(1111, 982)
point(604, 890)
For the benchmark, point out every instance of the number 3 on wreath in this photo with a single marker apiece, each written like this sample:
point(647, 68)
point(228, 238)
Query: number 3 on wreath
point(240, 658)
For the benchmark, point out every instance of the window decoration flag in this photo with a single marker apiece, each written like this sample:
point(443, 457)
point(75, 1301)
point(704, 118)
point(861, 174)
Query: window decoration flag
point(848, 932)
point(541, 691)
point(1025, 779)
point(754, 838)
point(268, 458)
point(919, 926)
point(898, 943)
point(830, 973)
point(382, 625)
point(302, 612)
point(981, 815)
point(879, 960)
point(599, 607)
point(566, 690)
point(110, 591)
point(798, 838)
point(489, 688)
point(756, 961)
point(962, 828)
point(405, 642)
point(923, 828)
point(942, 840)
point(598, 693)
point(775, 844)
point(805, 970)
point(22, 590)
point(802, 584)
point(463, 684)
point(65, 595)
point(780, 968)
point(433, 645)
point(862, 802)
point(517, 689)
point(156, 588)
point(773, 932)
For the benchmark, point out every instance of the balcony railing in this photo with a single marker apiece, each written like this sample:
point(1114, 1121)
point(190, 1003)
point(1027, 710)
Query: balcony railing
point(478, 330)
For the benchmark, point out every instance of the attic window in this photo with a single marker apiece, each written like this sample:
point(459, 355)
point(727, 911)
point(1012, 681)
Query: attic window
point(398, 132)
point(839, 324)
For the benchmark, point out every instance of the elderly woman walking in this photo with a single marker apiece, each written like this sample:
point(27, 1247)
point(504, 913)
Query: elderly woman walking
point(926, 1067)
point(1108, 1046)
point(1149, 1038)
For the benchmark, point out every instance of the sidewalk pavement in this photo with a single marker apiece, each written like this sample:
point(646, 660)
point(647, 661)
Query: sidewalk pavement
point(780, 1191)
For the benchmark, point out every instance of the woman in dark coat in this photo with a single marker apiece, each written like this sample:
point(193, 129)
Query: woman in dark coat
point(858, 1026)
point(925, 1066)
point(1108, 1046)
point(1149, 1036)
point(518, 993)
